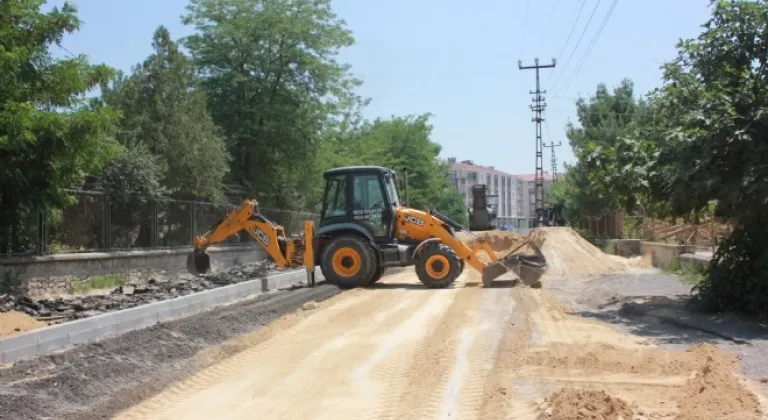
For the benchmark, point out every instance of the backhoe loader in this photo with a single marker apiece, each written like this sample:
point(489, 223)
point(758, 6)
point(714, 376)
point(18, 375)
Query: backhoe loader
point(363, 229)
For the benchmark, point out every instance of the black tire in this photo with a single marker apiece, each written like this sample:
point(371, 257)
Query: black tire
point(426, 257)
point(379, 272)
point(366, 262)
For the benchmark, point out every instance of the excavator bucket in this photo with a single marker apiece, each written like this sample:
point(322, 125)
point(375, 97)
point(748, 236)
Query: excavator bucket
point(528, 268)
point(198, 263)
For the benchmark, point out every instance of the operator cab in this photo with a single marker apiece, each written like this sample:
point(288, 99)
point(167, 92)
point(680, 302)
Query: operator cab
point(365, 196)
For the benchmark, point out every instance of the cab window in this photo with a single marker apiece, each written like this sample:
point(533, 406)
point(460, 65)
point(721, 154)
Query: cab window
point(336, 197)
point(369, 202)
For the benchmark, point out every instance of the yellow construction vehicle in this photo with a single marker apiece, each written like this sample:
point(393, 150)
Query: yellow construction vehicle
point(364, 228)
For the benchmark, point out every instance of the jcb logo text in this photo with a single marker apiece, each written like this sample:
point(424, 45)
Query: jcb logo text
point(262, 236)
point(415, 220)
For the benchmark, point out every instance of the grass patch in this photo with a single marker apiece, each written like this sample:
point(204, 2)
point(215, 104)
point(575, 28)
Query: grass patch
point(106, 281)
point(688, 271)
point(610, 248)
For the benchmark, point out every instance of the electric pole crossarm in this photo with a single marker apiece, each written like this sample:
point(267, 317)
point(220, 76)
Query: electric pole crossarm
point(553, 160)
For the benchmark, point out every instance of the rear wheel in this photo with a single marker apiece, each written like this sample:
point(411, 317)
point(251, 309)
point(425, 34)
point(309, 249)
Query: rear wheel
point(438, 266)
point(348, 262)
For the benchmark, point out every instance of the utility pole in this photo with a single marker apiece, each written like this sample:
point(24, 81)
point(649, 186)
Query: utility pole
point(553, 160)
point(538, 107)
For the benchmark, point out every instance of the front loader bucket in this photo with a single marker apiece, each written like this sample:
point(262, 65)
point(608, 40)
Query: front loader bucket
point(198, 263)
point(528, 268)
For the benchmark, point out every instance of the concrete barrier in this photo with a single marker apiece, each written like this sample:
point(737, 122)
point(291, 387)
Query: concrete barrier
point(627, 247)
point(662, 254)
point(55, 337)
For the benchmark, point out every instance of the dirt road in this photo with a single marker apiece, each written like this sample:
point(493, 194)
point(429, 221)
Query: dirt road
point(402, 352)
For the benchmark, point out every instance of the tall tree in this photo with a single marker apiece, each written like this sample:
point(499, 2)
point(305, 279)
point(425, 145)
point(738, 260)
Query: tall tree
point(270, 71)
point(709, 141)
point(49, 139)
point(164, 111)
point(599, 182)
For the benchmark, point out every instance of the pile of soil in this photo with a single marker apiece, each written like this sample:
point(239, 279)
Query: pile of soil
point(716, 392)
point(128, 296)
point(713, 389)
point(14, 322)
point(500, 241)
point(577, 404)
point(568, 253)
point(597, 358)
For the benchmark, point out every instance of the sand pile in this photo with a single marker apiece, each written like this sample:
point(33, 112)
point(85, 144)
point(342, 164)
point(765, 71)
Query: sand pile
point(701, 383)
point(14, 323)
point(716, 392)
point(500, 241)
point(598, 358)
point(577, 404)
point(568, 253)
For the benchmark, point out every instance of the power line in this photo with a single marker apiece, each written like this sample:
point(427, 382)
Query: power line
point(562, 50)
point(525, 27)
point(592, 15)
point(546, 27)
point(590, 47)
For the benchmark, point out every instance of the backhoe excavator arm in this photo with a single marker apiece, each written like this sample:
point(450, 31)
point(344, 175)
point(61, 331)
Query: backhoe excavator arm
point(286, 252)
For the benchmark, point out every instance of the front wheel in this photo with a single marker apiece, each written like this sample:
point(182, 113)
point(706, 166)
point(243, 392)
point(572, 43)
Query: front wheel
point(348, 262)
point(438, 266)
point(379, 272)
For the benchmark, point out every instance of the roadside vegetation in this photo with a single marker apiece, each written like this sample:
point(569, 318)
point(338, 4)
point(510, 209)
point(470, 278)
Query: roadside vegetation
point(98, 282)
point(260, 101)
point(698, 143)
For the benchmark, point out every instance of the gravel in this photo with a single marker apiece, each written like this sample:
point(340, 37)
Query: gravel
point(97, 380)
point(131, 295)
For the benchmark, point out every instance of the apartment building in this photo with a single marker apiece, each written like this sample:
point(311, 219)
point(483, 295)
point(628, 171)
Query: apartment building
point(466, 173)
point(526, 195)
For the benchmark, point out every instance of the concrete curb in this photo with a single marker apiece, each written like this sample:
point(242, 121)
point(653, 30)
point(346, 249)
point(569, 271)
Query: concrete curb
point(55, 337)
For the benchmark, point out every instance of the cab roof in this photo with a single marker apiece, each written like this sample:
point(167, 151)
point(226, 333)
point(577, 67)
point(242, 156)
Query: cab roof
point(357, 170)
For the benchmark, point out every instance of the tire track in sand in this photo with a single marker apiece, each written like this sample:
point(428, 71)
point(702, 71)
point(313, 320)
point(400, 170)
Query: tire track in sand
point(444, 376)
point(308, 372)
point(466, 388)
point(225, 369)
point(500, 399)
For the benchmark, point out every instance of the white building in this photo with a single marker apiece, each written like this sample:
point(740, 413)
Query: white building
point(526, 198)
point(466, 173)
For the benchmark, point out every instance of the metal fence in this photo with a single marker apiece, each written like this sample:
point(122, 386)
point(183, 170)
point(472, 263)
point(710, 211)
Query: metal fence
point(101, 222)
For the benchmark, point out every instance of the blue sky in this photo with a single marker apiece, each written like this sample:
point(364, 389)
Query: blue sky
point(455, 59)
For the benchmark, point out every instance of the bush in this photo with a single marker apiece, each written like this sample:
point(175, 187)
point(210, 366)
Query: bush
point(737, 278)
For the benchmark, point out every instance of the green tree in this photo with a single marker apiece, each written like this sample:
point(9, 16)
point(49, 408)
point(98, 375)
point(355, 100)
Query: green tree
point(270, 71)
point(709, 142)
point(49, 139)
point(601, 181)
point(574, 193)
point(163, 110)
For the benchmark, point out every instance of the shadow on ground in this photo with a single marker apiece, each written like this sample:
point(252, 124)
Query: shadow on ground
point(653, 305)
point(668, 320)
point(498, 284)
